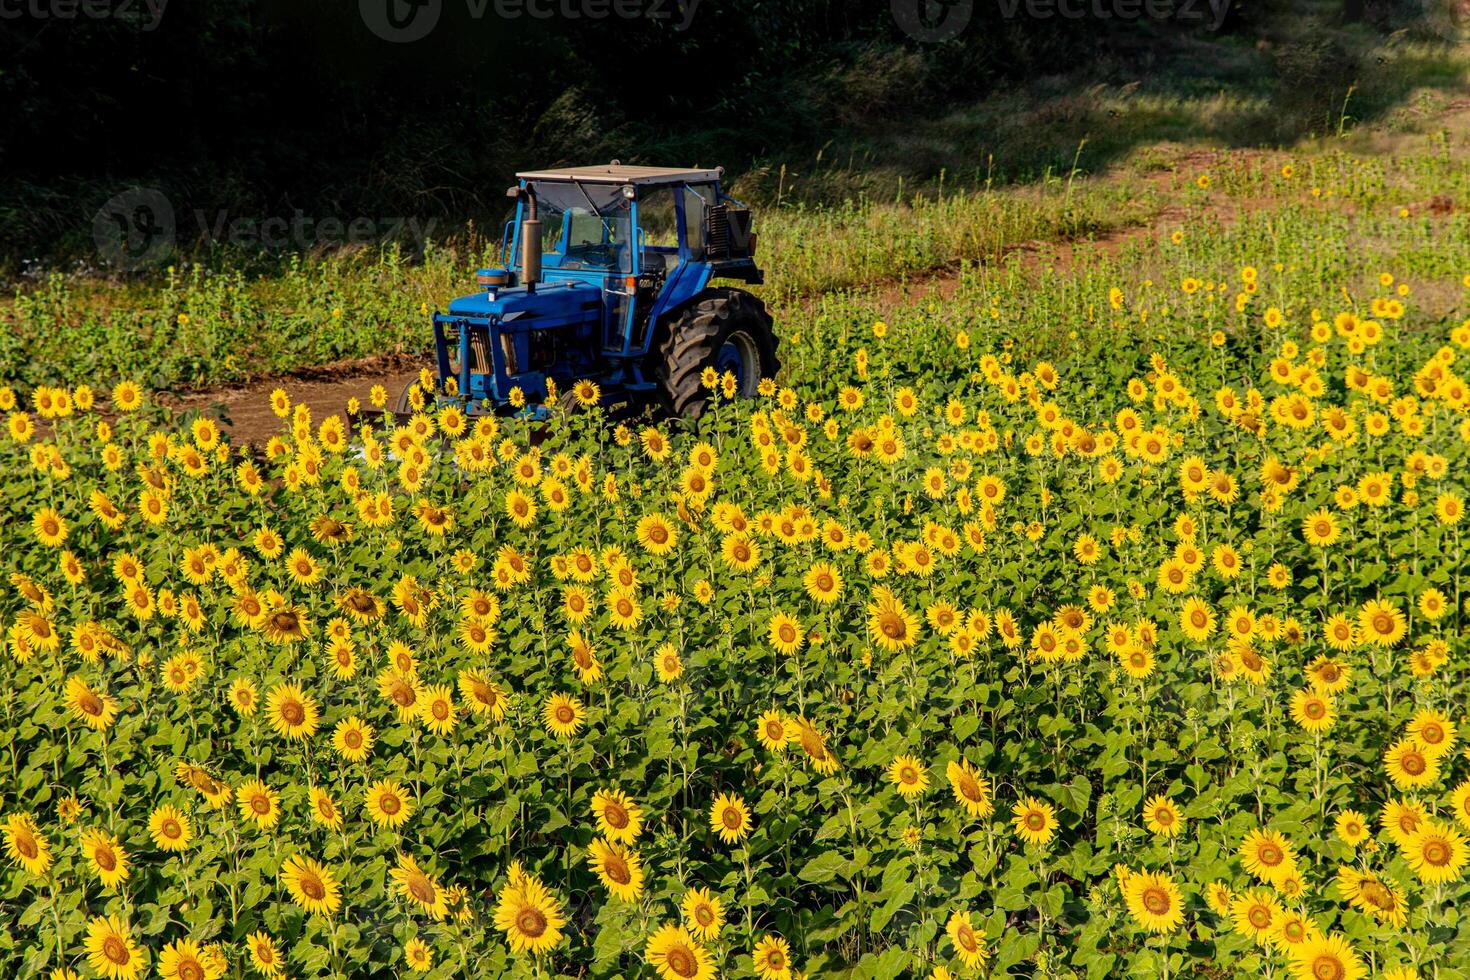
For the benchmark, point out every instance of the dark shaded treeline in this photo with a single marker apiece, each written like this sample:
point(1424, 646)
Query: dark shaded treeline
point(277, 108)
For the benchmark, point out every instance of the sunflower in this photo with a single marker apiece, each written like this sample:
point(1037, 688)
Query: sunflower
point(352, 739)
point(823, 583)
point(361, 605)
point(785, 633)
point(1293, 930)
point(623, 609)
point(909, 775)
point(968, 941)
point(1154, 901)
point(418, 887)
point(1137, 662)
point(772, 958)
point(25, 844)
point(49, 527)
point(286, 624)
point(324, 809)
point(563, 715)
point(890, 624)
point(1402, 819)
point(1434, 732)
point(771, 731)
point(1312, 711)
point(38, 631)
point(1352, 827)
point(814, 745)
point(1255, 914)
point(1218, 897)
point(619, 869)
point(730, 818)
point(1161, 815)
point(677, 955)
point(265, 955)
point(292, 713)
point(1460, 803)
point(170, 829)
point(619, 818)
point(418, 955)
point(529, 916)
point(971, 789)
point(481, 695)
point(667, 663)
point(656, 535)
point(704, 913)
point(184, 959)
point(111, 951)
point(389, 803)
point(1437, 853)
point(311, 885)
point(106, 857)
point(1381, 623)
point(1330, 676)
point(1327, 958)
point(401, 690)
point(436, 709)
point(476, 636)
point(1409, 766)
point(95, 709)
point(258, 803)
point(520, 508)
point(1035, 821)
point(1267, 855)
point(1376, 895)
point(1196, 619)
point(342, 656)
point(587, 393)
point(1320, 529)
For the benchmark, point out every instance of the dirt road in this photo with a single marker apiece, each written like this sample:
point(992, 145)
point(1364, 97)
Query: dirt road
point(245, 410)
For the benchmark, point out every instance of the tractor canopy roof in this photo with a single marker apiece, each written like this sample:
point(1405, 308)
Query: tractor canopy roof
point(616, 173)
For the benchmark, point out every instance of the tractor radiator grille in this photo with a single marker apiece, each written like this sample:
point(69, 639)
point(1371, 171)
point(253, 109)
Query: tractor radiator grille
point(718, 242)
point(729, 233)
point(479, 353)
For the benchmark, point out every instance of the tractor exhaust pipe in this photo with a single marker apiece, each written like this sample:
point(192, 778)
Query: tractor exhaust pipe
point(530, 238)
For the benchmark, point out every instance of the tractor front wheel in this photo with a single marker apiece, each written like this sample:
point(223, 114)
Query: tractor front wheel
point(725, 329)
point(404, 405)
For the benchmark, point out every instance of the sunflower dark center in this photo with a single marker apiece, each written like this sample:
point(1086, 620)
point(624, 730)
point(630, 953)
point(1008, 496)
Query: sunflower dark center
point(116, 950)
point(1156, 901)
point(530, 922)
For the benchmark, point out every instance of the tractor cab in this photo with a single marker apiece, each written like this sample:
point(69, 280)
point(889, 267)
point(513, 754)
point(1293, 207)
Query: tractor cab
point(604, 271)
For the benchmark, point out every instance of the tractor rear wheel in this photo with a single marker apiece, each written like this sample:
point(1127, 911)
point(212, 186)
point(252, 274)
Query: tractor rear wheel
point(721, 328)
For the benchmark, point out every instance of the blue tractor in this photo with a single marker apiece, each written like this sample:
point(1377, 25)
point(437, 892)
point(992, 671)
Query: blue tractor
point(608, 275)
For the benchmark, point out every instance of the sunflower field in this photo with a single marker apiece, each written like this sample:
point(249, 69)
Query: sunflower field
point(1105, 621)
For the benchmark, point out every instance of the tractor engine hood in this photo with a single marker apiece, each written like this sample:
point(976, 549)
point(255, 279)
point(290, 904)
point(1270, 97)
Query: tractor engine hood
point(551, 300)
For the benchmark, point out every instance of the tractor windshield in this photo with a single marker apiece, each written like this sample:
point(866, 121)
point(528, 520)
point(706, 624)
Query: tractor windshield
point(584, 226)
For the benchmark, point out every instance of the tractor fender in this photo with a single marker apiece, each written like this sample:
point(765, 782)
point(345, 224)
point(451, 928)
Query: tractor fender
point(688, 280)
point(671, 304)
